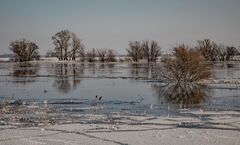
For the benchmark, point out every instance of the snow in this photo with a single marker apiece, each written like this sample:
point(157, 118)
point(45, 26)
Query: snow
point(4, 59)
point(134, 130)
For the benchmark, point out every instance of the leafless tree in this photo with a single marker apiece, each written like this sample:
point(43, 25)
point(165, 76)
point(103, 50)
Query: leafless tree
point(151, 50)
point(221, 52)
point(135, 50)
point(24, 50)
point(77, 47)
point(231, 51)
point(111, 55)
point(91, 55)
point(82, 52)
point(61, 42)
point(101, 53)
point(188, 65)
point(208, 49)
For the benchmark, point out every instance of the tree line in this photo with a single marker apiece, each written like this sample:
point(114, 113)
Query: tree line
point(213, 52)
point(68, 46)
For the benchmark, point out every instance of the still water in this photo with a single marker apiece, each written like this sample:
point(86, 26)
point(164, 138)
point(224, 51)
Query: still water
point(135, 88)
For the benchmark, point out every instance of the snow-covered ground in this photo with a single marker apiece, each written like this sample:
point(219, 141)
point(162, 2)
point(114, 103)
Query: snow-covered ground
point(5, 59)
point(223, 129)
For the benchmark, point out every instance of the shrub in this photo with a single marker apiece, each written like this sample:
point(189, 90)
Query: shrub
point(24, 50)
point(187, 65)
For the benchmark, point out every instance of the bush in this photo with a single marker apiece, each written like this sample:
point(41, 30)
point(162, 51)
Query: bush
point(24, 50)
point(187, 65)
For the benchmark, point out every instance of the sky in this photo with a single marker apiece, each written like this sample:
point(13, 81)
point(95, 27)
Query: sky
point(113, 23)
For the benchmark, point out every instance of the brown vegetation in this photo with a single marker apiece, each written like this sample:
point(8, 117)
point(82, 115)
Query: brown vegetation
point(24, 50)
point(149, 50)
point(191, 95)
point(101, 53)
point(62, 40)
point(111, 55)
point(91, 55)
point(213, 52)
point(135, 50)
point(188, 65)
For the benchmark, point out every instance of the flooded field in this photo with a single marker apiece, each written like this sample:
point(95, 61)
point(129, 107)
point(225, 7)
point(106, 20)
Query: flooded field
point(75, 88)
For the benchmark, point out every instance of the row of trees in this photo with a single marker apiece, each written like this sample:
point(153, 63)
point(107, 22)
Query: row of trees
point(213, 52)
point(104, 55)
point(210, 50)
point(68, 47)
point(149, 50)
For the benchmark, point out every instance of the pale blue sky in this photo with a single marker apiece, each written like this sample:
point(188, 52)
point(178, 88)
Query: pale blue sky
point(112, 23)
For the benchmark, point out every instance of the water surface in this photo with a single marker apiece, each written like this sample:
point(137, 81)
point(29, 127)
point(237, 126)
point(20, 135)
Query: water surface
point(135, 88)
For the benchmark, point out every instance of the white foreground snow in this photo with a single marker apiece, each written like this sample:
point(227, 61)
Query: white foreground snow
point(224, 129)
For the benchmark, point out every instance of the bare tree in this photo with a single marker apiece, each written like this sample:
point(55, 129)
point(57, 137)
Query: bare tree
point(208, 49)
point(111, 55)
point(77, 47)
point(91, 55)
point(188, 65)
point(155, 51)
point(146, 50)
point(82, 52)
point(101, 53)
point(24, 50)
point(231, 51)
point(151, 50)
point(60, 40)
point(221, 52)
point(135, 50)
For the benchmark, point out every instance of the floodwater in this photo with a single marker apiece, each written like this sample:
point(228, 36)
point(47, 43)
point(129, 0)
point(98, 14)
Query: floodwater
point(133, 88)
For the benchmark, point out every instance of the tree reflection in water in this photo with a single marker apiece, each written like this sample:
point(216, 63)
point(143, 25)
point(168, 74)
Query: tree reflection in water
point(25, 72)
point(106, 68)
point(183, 95)
point(142, 71)
point(66, 72)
